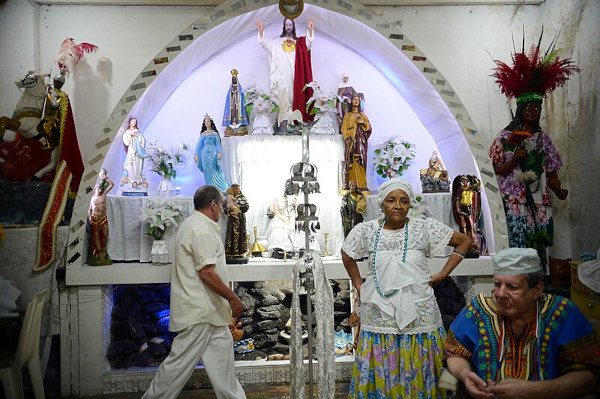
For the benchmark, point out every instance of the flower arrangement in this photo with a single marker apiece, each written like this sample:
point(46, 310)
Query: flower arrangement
point(393, 157)
point(256, 96)
point(164, 159)
point(320, 101)
point(159, 216)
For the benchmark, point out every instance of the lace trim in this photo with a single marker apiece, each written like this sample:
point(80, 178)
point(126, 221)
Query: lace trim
point(324, 342)
point(428, 319)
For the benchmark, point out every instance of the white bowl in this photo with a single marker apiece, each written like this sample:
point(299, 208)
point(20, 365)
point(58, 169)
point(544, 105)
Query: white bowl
point(267, 254)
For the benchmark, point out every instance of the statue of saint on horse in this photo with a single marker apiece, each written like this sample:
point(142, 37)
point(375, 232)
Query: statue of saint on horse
point(44, 133)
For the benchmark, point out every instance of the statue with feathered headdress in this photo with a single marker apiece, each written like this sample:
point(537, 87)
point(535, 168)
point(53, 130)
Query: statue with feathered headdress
point(525, 160)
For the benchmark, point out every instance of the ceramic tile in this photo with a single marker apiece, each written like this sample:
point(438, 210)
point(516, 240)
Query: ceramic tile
point(262, 374)
point(134, 382)
point(281, 374)
point(244, 375)
point(113, 384)
point(199, 379)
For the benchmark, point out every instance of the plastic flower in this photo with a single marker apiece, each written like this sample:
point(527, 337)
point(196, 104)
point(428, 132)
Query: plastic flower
point(392, 158)
point(254, 95)
point(159, 215)
point(320, 101)
point(164, 159)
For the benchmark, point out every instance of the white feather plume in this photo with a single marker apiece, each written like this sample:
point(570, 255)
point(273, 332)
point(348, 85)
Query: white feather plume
point(71, 53)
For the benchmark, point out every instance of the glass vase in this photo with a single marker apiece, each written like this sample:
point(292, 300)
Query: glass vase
point(166, 187)
point(159, 254)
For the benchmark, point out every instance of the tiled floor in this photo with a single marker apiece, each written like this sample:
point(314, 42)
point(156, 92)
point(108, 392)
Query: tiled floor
point(252, 392)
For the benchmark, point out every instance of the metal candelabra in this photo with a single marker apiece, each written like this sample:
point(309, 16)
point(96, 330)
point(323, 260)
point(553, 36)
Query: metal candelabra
point(304, 178)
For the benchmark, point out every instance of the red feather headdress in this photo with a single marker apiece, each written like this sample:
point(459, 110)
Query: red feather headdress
point(70, 54)
point(531, 76)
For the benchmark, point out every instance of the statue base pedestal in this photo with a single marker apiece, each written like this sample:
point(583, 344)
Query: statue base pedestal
point(232, 131)
point(236, 260)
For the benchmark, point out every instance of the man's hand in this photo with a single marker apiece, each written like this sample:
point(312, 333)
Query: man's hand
point(260, 27)
point(476, 387)
point(510, 389)
point(236, 306)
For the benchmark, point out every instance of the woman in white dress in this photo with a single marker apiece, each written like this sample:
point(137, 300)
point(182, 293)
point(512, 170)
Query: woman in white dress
point(400, 346)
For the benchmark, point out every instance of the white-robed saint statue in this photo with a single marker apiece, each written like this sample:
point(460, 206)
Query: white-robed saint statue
point(235, 116)
point(135, 144)
point(290, 66)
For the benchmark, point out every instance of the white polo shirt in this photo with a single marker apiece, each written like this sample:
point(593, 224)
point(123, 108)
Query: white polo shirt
point(198, 245)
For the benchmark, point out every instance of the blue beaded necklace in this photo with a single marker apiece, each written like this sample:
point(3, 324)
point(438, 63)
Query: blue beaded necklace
point(376, 247)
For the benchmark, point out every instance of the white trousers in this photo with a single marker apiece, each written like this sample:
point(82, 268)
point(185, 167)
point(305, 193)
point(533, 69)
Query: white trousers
point(211, 344)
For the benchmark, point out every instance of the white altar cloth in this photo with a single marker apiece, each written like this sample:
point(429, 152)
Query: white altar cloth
point(128, 238)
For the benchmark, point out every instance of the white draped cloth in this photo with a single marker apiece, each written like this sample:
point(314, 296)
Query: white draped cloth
point(324, 341)
point(413, 308)
point(281, 64)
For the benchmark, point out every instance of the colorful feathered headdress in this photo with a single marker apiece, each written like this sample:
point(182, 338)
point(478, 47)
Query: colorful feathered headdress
point(532, 76)
point(70, 54)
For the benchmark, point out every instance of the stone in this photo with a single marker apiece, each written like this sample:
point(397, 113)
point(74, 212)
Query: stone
point(269, 312)
point(269, 300)
point(268, 325)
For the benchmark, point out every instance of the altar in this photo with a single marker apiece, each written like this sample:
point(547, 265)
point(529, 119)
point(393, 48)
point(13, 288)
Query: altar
point(129, 241)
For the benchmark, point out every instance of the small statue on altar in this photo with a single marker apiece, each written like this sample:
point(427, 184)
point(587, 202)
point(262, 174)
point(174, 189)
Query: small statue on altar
point(346, 92)
point(354, 206)
point(209, 154)
point(323, 106)
point(235, 116)
point(435, 178)
point(466, 208)
point(236, 205)
point(98, 254)
point(281, 234)
point(135, 149)
point(356, 130)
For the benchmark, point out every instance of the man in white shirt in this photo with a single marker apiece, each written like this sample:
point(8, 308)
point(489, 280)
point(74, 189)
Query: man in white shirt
point(202, 305)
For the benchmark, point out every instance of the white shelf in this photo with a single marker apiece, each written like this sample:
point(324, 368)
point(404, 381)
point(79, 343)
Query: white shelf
point(258, 269)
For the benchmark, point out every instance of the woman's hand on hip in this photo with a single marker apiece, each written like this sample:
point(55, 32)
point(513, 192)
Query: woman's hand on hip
point(436, 279)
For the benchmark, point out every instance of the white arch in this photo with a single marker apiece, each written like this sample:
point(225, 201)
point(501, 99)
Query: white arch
point(430, 95)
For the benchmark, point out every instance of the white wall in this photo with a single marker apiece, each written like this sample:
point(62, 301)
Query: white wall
point(455, 39)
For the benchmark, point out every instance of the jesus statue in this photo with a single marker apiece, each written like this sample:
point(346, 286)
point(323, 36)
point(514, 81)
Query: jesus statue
point(290, 66)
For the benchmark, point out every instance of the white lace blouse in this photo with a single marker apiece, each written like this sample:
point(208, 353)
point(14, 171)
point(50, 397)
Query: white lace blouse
point(413, 308)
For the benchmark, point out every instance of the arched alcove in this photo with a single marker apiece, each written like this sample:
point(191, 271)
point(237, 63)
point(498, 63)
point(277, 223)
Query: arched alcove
point(416, 80)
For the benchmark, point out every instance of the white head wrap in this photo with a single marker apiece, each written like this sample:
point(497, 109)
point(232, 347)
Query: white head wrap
point(391, 185)
point(516, 261)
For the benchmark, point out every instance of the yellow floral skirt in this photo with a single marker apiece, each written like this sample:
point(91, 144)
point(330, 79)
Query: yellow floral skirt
point(391, 366)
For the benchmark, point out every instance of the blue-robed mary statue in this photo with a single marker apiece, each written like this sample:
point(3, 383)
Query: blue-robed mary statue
point(235, 114)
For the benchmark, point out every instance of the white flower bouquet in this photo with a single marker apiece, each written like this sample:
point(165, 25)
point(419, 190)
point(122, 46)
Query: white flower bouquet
point(159, 215)
point(255, 96)
point(392, 158)
point(320, 101)
point(164, 159)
